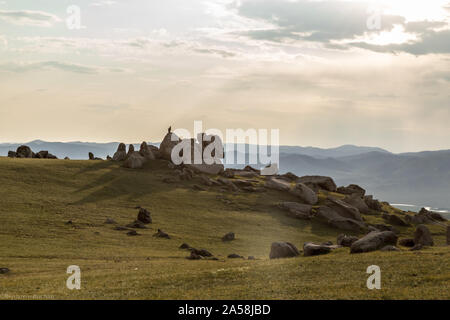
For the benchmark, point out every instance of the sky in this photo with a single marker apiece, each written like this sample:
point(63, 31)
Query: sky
point(325, 73)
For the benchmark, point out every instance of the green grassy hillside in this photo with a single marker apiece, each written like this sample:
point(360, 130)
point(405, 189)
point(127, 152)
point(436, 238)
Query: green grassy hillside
point(39, 197)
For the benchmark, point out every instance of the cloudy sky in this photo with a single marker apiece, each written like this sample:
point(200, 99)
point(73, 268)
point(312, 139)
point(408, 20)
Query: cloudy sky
point(325, 73)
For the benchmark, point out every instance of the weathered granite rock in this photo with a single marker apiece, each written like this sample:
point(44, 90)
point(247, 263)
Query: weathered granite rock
point(374, 241)
point(422, 236)
point(283, 250)
point(352, 189)
point(319, 182)
point(297, 210)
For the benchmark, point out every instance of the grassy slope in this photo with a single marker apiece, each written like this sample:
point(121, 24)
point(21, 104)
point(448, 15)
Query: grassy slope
point(38, 197)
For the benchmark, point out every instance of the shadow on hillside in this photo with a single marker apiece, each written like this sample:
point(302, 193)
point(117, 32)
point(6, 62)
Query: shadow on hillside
point(119, 182)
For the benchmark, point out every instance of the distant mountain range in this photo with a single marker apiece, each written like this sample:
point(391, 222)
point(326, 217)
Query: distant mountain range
point(421, 178)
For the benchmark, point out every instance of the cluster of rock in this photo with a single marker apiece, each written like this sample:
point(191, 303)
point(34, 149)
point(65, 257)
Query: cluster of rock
point(373, 241)
point(26, 152)
point(142, 220)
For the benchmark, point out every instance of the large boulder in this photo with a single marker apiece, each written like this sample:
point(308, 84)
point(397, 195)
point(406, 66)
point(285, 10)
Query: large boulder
point(313, 249)
point(358, 202)
point(394, 220)
point(352, 189)
point(134, 161)
point(345, 240)
point(373, 203)
point(144, 216)
point(146, 152)
point(374, 241)
point(422, 236)
point(344, 209)
point(168, 143)
point(304, 193)
point(297, 210)
point(319, 182)
point(277, 184)
point(24, 152)
point(121, 153)
point(333, 219)
point(283, 250)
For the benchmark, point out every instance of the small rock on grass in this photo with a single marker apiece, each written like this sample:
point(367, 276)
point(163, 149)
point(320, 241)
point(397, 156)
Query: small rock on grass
point(132, 233)
point(235, 256)
point(4, 270)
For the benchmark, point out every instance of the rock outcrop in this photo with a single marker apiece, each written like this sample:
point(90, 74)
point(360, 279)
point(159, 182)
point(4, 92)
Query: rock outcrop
point(167, 145)
point(283, 250)
point(121, 153)
point(24, 152)
point(345, 240)
point(319, 182)
point(296, 210)
point(146, 152)
point(372, 203)
point(144, 216)
point(374, 241)
point(333, 219)
point(352, 189)
point(358, 202)
point(304, 193)
point(134, 161)
point(313, 249)
point(422, 236)
point(344, 209)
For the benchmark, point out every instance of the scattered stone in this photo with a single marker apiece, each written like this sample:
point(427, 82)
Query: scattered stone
point(202, 252)
point(110, 221)
point(425, 216)
point(4, 270)
point(312, 249)
point(390, 248)
point(69, 222)
point(66, 158)
point(132, 233)
point(319, 182)
point(251, 258)
point(374, 241)
point(297, 210)
point(231, 186)
point(345, 240)
point(185, 246)
point(120, 228)
point(11, 154)
point(235, 256)
point(144, 216)
point(136, 224)
point(283, 250)
point(213, 169)
point(121, 153)
point(161, 234)
point(422, 236)
point(194, 256)
point(91, 156)
point(44, 155)
point(352, 189)
point(228, 237)
point(406, 242)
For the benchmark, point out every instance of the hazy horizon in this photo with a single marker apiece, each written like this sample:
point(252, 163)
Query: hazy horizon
point(326, 73)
